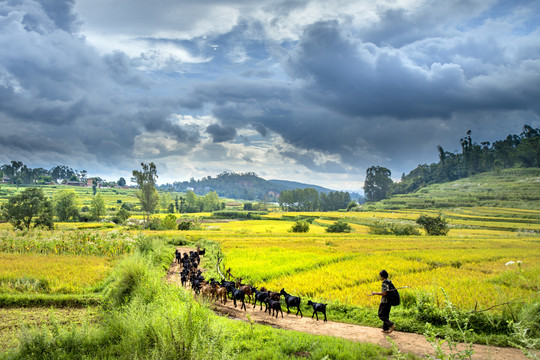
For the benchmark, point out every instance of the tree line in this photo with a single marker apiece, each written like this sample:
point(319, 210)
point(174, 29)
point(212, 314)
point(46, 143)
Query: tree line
point(20, 174)
point(516, 150)
point(311, 200)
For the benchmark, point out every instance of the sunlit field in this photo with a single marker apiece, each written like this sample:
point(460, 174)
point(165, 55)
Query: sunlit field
point(471, 261)
point(52, 274)
point(59, 262)
point(109, 243)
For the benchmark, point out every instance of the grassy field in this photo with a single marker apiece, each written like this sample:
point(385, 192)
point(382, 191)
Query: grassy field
point(52, 274)
point(517, 188)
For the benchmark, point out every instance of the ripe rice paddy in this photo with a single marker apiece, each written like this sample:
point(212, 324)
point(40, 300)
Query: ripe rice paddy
point(468, 263)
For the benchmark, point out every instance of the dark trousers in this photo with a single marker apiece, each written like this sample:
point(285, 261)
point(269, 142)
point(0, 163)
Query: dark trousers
point(384, 315)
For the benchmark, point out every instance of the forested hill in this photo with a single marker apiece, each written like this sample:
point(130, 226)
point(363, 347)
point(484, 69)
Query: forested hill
point(515, 151)
point(517, 188)
point(246, 186)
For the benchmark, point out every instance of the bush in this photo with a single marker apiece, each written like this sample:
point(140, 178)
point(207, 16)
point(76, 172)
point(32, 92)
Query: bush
point(380, 230)
point(169, 222)
point(127, 206)
point(121, 216)
point(226, 214)
point(185, 225)
point(83, 217)
point(433, 225)
point(339, 227)
point(405, 230)
point(395, 229)
point(154, 224)
point(529, 317)
point(300, 226)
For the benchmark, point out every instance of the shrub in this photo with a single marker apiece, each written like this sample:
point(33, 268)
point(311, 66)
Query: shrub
point(154, 224)
point(380, 230)
point(121, 216)
point(405, 230)
point(339, 227)
point(169, 222)
point(529, 317)
point(185, 225)
point(300, 226)
point(395, 229)
point(127, 206)
point(433, 225)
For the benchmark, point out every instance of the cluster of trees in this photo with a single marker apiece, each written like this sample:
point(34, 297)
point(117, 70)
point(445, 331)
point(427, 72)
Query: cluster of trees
point(521, 150)
point(31, 208)
point(191, 203)
point(149, 198)
point(20, 174)
point(311, 200)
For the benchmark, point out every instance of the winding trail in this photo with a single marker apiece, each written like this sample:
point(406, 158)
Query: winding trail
point(406, 342)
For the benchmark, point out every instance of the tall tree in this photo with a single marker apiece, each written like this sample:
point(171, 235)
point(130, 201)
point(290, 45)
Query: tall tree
point(97, 207)
point(121, 182)
point(191, 202)
point(147, 193)
point(28, 209)
point(165, 200)
point(378, 184)
point(66, 205)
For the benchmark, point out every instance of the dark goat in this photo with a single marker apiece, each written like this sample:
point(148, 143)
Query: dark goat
point(228, 285)
point(261, 296)
point(237, 295)
point(271, 296)
point(318, 307)
point(275, 305)
point(183, 279)
point(202, 252)
point(292, 301)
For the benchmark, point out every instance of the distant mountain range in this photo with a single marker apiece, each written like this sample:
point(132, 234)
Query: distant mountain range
point(245, 186)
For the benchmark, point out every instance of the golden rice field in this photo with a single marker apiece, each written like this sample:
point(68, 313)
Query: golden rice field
point(468, 263)
point(79, 242)
point(60, 261)
point(54, 274)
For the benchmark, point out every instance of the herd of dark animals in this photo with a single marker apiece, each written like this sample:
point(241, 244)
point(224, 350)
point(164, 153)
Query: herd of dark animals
point(237, 291)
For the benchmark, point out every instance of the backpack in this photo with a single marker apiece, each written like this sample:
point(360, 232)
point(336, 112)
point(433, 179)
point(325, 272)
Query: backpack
point(392, 296)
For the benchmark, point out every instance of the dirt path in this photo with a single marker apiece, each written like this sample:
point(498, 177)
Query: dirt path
point(406, 342)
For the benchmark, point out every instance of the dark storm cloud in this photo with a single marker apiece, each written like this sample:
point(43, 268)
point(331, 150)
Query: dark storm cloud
point(399, 26)
point(66, 99)
point(308, 160)
point(61, 12)
point(221, 133)
point(360, 79)
point(100, 81)
point(28, 144)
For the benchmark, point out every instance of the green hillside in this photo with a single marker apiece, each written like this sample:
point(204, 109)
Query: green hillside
point(510, 188)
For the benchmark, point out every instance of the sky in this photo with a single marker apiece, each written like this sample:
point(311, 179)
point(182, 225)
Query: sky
point(312, 91)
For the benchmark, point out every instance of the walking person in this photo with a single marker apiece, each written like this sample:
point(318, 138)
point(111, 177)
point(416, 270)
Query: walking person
point(385, 306)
